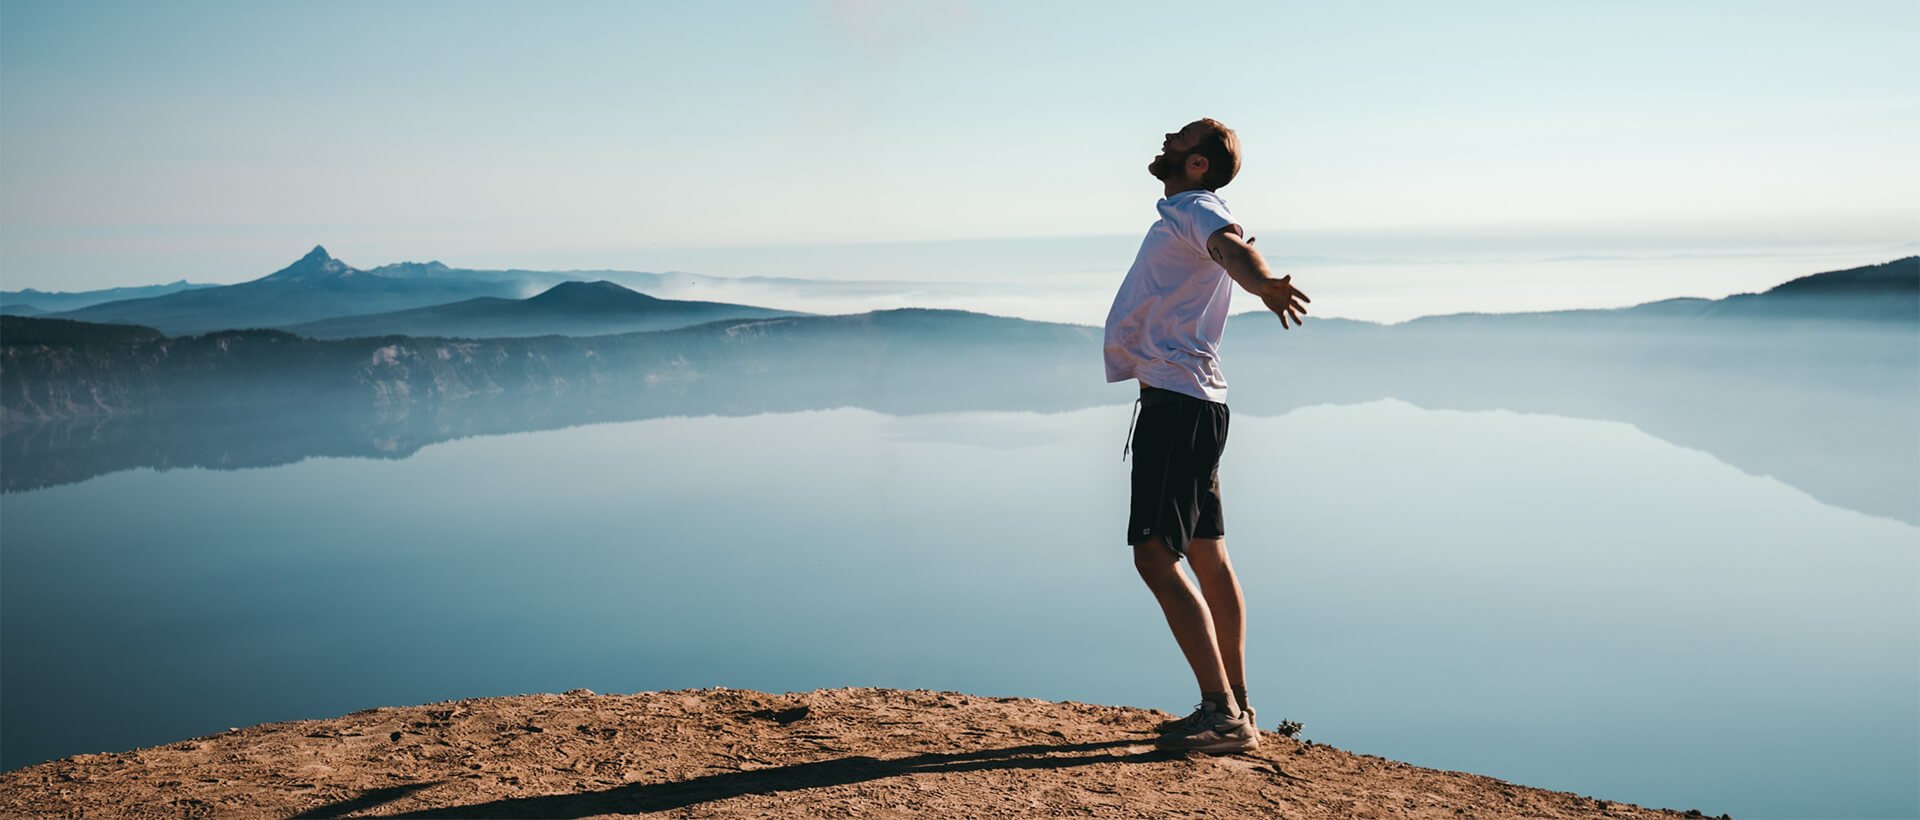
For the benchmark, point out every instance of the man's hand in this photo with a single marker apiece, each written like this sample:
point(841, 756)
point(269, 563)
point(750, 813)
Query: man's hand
point(1246, 266)
point(1284, 299)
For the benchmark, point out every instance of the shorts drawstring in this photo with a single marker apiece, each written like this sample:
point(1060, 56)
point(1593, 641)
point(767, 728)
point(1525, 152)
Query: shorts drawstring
point(1130, 423)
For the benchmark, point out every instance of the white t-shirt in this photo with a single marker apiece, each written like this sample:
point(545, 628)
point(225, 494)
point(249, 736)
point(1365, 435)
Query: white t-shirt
point(1165, 324)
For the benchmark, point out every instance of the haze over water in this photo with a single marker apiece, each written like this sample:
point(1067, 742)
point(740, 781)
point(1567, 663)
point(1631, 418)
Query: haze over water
point(1373, 276)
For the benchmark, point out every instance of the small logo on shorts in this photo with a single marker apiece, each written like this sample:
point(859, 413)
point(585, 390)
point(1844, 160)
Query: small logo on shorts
point(1146, 530)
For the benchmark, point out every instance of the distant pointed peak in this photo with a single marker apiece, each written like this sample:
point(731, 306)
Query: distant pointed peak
point(316, 264)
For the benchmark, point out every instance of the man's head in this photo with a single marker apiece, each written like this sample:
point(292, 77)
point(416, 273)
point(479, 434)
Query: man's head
point(1204, 154)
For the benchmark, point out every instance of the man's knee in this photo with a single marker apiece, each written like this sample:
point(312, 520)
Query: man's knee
point(1207, 552)
point(1154, 559)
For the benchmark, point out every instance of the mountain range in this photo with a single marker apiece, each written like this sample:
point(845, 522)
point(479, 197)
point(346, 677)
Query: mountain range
point(566, 309)
point(323, 297)
point(318, 287)
point(1887, 292)
point(31, 302)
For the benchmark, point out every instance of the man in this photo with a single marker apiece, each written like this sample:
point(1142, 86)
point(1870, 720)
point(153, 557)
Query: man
point(1164, 331)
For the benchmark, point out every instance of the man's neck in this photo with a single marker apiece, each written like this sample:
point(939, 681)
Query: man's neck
point(1178, 186)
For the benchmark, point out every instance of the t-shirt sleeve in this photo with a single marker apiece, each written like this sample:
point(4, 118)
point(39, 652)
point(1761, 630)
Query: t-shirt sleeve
point(1203, 215)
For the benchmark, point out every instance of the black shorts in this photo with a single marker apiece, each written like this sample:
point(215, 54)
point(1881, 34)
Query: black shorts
point(1176, 442)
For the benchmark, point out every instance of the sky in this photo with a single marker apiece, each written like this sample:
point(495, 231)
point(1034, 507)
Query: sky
point(217, 142)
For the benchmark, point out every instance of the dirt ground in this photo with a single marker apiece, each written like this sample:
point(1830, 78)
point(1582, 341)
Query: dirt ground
point(855, 752)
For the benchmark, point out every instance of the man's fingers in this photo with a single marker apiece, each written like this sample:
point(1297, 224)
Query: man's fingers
point(1283, 307)
point(1287, 285)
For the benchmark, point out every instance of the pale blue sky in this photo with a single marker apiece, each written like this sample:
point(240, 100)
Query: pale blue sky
point(143, 142)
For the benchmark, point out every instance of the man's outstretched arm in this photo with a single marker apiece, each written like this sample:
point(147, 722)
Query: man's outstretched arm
point(1235, 253)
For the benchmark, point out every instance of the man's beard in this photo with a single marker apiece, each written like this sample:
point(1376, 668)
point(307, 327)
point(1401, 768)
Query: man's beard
point(1166, 165)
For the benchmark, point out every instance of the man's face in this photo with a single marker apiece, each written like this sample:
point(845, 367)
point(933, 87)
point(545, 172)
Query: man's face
point(1174, 152)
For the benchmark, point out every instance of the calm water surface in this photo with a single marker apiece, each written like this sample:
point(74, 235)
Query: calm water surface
point(1570, 604)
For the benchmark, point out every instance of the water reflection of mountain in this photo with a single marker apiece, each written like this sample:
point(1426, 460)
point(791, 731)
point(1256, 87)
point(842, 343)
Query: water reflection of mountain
point(257, 398)
point(1830, 408)
point(1828, 405)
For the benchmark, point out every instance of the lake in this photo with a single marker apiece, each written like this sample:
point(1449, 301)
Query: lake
point(1565, 603)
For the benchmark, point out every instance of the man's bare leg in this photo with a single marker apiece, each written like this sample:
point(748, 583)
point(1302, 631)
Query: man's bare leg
point(1186, 612)
point(1226, 603)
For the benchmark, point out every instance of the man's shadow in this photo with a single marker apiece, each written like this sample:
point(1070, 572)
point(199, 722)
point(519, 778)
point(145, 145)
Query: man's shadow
point(649, 797)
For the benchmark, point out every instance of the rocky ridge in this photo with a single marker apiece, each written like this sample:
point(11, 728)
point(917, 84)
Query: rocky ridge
point(851, 752)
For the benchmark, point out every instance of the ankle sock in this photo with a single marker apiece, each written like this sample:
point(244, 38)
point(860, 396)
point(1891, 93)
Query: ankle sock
point(1221, 700)
point(1240, 697)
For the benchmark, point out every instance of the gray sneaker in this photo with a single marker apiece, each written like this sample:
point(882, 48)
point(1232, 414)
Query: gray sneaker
point(1199, 714)
point(1210, 730)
